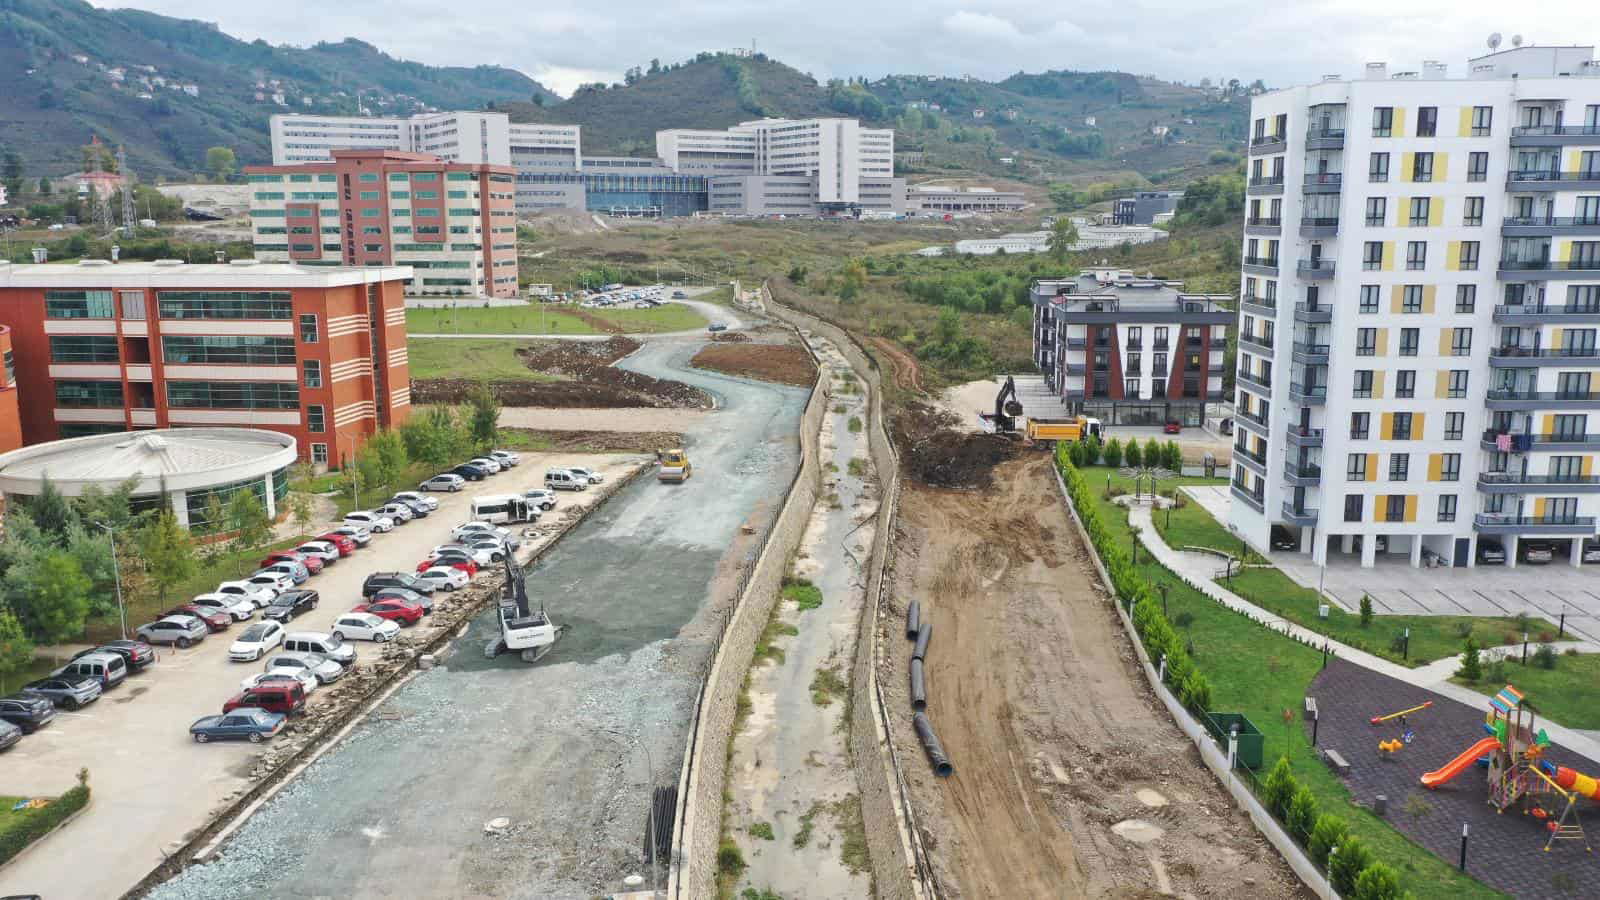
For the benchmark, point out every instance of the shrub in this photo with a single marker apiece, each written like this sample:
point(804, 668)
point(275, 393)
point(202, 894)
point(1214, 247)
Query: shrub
point(762, 830)
point(730, 859)
point(1183, 619)
point(1464, 630)
point(1328, 833)
point(1133, 456)
point(1471, 666)
point(1495, 671)
point(1302, 814)
point(1112, 454)
point(1366, 611)
point(1345, 866)
point(1377, 882)
point(1281, 787)
point(1153, 455)
point(1092, 451)
point(37, 824)
point(1174, 457)
point(1545, 657)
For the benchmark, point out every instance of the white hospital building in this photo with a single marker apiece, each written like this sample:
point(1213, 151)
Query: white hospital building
point(1420, 297)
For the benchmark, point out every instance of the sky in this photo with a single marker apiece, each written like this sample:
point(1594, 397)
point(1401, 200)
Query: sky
point(563, 43)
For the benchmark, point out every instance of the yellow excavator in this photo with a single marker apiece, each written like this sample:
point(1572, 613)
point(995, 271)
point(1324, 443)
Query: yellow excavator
point(674, 465)
point(1008, 420)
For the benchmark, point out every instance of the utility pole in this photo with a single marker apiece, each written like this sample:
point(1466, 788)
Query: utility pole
point(116, 575)
point(128, 213)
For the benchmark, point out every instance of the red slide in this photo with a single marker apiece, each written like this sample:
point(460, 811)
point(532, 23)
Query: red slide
point(1455, 766)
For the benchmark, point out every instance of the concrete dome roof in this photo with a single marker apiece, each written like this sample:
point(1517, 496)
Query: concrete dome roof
point(184, 458)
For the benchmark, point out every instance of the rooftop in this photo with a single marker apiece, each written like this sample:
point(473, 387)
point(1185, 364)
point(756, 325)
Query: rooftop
point(1119, 289)
point(178, 458)
point(1519, 62)
point(175, 273)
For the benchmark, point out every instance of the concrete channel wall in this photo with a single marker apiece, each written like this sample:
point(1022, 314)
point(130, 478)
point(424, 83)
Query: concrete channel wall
point(698, 827)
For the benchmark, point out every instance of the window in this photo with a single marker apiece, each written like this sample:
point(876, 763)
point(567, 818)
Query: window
point(1461, 342)
point(224, 304)
point(1355, 467)
point(369, 195)
point(1566, 468)
point(319, 453)
point(425, 176)
point(1447, 507)
point(1417, 255)
point(1377, 209)
point(264, 351)
point(1405, 383)
point(1422, 167)
point(1427, 121)
point(77, 304)
point(1570, 426)
point(1410, 338)
point(1419, 211)
point(1468, 260)
point(1378, 167)
point(1399, 470)
point(308, 328)
point(1454, 425)
point(367, 177)
point(1472, 211)
point(1372, 255)
point(427, 195)
point(1400, 427)
point(1411, 298)
point(1482, 116)
point(103, 394)
point(1363, 384)
point(1366, 341)
point(1352, 507)
point(315, 423)
point(1130, 388)
point(1382, 121)
point(1466, 298)
point(312, 373)
point(1360, 425)
point(84, 348)
point(1450, 467)
point(233, 395)
point(1477, 166)
point(1369, 298)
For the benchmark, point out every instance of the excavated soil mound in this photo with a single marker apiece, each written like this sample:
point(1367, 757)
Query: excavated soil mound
point(934, 453)
point(600, 441)
point(730, 337)
point(590, 381)
point(574, 359)
point(783, 363)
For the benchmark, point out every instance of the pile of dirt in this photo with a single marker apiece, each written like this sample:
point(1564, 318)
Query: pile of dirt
point(935, 453)
point(783, 363)
point(730, 337)
point(596, 441)
point(575, 359)
point(589, 381)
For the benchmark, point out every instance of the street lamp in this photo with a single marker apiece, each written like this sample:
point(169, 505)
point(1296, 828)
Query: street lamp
point(116, 575)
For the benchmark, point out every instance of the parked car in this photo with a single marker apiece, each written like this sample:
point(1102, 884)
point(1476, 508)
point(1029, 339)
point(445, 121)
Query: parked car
point(9, 735)
point(591, 475)
point(1591, 552)
point(328, 553)
point(1491, 552)
point(1283, 540)
point(493, 546)
point(66, 691)
point(393, 610)
point(216, 620)
point(358, 533)
point(486, 464)
point(1226, 425)
point(306, 678)
point(298, 574)
point(445, 578)
point(453, 560)
point(432, 503)
point(365, 626)
point(480, 528)
point(344, 545)
point(368, 519)
point(258, 594)
point(29, 712)
point(1173, 426)
point(179, 631)
point(447, 481)
point(482, 557)
point(419, 509)
point(469, 472)
point(254, 642)
point(715, 327)
point(136, 655)
point(399, 512)
point(254, 725)
point(238, 608)
point(311, 564)
point(505, 458)
point(546, 500)
point(282, 697)
point(272, 581)
point(398, 593)
point(1537, 552)
point(106, 668)
point(290, 604)
point(326, 670)
point(562, 480)
point(377, 581)
point(321, 643)
point(679, 295)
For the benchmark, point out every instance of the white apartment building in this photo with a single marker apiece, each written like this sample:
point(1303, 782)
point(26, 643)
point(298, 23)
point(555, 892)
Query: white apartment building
point(838, 156)
point(1418, 363)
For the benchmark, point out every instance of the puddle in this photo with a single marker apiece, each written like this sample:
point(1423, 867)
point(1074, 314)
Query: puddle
point(1150, 798)
point(1137, 830)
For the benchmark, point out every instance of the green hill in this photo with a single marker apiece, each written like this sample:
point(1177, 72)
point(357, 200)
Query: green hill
point(56, 87)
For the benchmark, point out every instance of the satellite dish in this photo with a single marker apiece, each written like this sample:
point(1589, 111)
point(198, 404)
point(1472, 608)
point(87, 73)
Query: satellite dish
point(1516, 40)
point(1494, 41)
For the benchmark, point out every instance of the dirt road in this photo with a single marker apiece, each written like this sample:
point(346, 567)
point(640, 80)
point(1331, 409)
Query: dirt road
point(1070, 780)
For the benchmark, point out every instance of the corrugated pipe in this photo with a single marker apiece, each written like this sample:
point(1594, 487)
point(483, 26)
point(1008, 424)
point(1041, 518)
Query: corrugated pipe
point(919, 686)
point(913, 620)
point(924, 634)
point(930, 743)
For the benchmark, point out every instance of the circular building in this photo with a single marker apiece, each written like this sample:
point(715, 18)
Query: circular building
point(188, 465)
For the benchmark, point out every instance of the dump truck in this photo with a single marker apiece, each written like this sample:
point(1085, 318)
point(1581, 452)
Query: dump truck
point(674, 465)
point(1046, 432)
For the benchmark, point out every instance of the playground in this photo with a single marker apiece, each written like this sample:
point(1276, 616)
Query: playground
point(1427, 764)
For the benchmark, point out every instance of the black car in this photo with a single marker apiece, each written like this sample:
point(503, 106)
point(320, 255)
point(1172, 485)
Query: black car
point(377, 581)
point(137, 654)
point(30, 712)
point(470, 472)
point(417, 507)
point(400, 593)
point(1283, 540)
point(290, 604)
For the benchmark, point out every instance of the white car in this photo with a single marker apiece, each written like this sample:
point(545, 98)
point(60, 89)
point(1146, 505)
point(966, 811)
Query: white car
point(328, 553)
point(258, 594)
point(448, 481)
point(444, 578)
point(479, 528)
point(505, 458)
point(232, 604)
point(360, 626)
point(358, 533)
point(305, 677)
point(285, 567)
point(545, 499)
point(326, 670)
point(590, 475)
point(274, 581)
point(399, 513)
point(489, 465)
point(431, 503)
point(480, 556)
point(371, 520)
point(254, 642)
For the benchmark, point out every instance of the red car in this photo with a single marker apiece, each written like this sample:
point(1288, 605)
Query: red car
point(457, 562)
point(286, 697)
point(344, 544)
point(1172, 428)
point(215, 619)
point(313, 564)
point(401, 611)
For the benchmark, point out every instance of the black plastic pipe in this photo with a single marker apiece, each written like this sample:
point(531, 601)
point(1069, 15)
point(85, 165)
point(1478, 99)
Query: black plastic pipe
point(930, 743)
point(913, 620)
point(924, 634)
point(919, 686)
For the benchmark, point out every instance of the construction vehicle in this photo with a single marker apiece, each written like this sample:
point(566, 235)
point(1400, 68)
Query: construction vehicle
point(523, 629)
point(1008, 420)
point(674, 465)
point(1007, 410)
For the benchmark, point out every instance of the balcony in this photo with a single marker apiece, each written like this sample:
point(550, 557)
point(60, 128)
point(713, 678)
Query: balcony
point(1540, 226)
point(1514, 483)
point(1549, 269)
point(1301, 436)
point(1259, 265)
point(1074, 396)
point(1527, 400)
point(1555, 135)
point(1323, 183)
point(1219, 343)
point(1261, 306)
point(1264, 186)
point(1315, 269)
point(1551, 180)
point(1252, 422)
point(1159, 344)
point(1535, 443)
point(1308, 394)
point(1077, 343)
point(1263, 226)
point(1319, 226)
point(1216, 397)
point(1313, 315)
point(1529, 314)
point(1267, 143)
point(1299, 516)
point(1075, 368)
point(1325, 139)
point(1254, 500)
point(1257, 342)
point(1302, 474)
point(1517, 357)
point(1495, 523)
point(1311, 354)
point(1256, 383)
point(1251, 460)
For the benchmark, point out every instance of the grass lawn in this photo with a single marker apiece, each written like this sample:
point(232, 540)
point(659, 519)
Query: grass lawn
point(490, 358)
point(668, 317)
point(534, 318)
point(1565, 694)
point(7, 817)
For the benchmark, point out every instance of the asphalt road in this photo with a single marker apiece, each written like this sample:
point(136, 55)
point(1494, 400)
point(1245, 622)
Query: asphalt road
point(565, 748)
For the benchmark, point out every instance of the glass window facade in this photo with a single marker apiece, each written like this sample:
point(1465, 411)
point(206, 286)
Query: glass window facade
point(233, 395)
point(209, 349)
point(100, 394)
point(224, 304)
point(77, 304)
point(202, 508)
point(79, 348)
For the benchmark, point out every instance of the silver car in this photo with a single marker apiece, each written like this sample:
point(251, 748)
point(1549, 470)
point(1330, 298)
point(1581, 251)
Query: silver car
point(326, 670)
point(180, 631)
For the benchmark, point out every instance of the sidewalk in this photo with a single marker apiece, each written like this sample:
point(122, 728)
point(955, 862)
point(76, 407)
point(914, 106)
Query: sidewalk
point(1198, 571)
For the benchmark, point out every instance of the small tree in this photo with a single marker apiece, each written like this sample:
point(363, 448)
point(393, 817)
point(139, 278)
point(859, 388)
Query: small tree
point(1112, 454)
point(247, 517)
point(221, 162)
point(483, 425)
point(1377, 881)
point(16, 650)
point(1092, 451)
point(1545, 657)
point(300, 510)
point(1345, 865)
point(1152, 453)
point(1302, 814)
point(1063, 235)
point(168, 552)
point(1471, 666)
point(60, 598)
point(1329, 832)
point(1280, 787)
point(1133, 456)
point(1366, 611)
point(1174, 457)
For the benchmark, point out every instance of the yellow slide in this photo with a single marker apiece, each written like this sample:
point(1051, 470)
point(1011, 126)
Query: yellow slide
point(1456, 766)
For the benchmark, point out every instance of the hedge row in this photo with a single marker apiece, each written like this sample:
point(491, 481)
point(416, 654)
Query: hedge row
point(1348, 862)
point(37, 823)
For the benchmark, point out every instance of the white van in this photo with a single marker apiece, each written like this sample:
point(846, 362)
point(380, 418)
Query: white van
point(330, 645)
point(498, 508)
point(562, 480)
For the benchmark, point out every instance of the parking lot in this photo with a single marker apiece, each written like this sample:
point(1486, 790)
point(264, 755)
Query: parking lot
point(153, 786)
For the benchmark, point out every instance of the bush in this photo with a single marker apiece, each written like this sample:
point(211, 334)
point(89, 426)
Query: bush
point(1281, 787)
point(1112, 454)
point(1377, 882)
point(1328, 833)
point(37, 824)
point(1132, 455)
point(1092, 451)
point(1302, 815)
point(730, 860)
point(1471, 666)
point(1545, 657)
point(1153, 454)
point(1346, 865)
point(1366, 611)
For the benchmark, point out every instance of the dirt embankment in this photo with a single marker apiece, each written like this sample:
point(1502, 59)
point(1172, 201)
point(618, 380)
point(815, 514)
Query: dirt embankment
point(782, 363)
point(588, 380)
point(597, 441)
point(1071, 780)
point(933, 451)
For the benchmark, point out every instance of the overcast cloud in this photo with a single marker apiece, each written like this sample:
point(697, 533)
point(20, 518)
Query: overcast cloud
point(563, 43)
